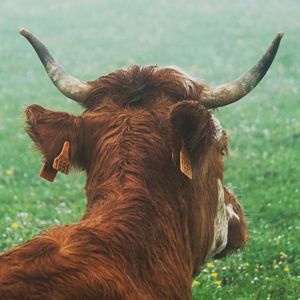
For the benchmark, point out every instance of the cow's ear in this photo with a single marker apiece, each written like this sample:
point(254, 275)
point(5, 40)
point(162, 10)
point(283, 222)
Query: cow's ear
point(50, 130)
point(192, 128)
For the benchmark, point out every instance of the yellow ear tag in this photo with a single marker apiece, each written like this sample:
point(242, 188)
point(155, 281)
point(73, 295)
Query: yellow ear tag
point(61, 162)
point(185, 163)
point(48, 172)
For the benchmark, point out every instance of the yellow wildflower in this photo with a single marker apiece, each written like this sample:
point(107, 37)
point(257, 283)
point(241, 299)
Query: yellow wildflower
point(196, 283)
point(15, 225)
point(210, 265)
point(214, 275)
point(286, 269)
point(218, 283)
point(10, 172)
point(283, 255)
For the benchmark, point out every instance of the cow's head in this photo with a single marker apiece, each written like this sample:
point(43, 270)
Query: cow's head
point(140, 122)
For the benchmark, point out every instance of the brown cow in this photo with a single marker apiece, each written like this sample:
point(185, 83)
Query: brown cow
point(156, 205)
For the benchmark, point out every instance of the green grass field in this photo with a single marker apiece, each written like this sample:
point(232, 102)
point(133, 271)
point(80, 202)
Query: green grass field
point(214, 41)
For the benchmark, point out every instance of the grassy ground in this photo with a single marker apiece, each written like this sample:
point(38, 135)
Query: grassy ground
point(213, 40)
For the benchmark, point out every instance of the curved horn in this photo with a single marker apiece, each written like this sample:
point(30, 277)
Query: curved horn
point(68, 85)
point(233, 91)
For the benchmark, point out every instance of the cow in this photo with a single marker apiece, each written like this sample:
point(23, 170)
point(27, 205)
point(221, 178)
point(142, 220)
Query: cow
point(157, 208)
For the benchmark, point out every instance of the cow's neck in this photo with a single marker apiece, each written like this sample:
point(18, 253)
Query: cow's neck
point(136, 185)
point(136, 203)
point(149, 228)
point(153, 192)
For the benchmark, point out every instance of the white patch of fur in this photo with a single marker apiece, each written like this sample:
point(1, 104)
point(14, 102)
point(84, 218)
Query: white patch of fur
point(231, 213)
point(187, 81)
point(220, 223)
point(219, 128)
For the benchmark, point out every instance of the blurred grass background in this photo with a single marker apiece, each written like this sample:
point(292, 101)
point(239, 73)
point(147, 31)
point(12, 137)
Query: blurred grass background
point(214, 41)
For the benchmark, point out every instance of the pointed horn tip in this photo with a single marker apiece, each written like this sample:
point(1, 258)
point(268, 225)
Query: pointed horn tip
point(23, 31)
point(279, 35)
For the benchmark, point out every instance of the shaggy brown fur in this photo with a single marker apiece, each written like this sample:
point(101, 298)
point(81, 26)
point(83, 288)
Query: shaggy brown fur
point(147, 228)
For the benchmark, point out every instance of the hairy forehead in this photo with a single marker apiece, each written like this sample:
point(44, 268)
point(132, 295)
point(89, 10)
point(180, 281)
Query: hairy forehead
point(140, 86)
point(110, 114)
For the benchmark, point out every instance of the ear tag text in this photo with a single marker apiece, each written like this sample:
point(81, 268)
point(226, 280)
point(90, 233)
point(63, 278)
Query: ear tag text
point(185, 163)
point(61, 163)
